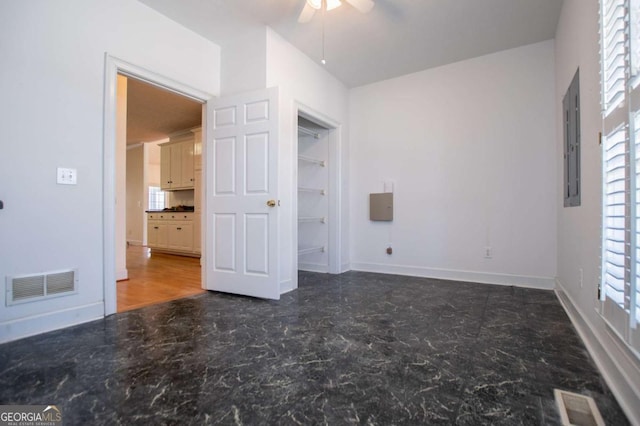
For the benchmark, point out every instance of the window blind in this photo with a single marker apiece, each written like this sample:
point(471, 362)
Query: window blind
point(613, 52)
point(620, 63)
point(615, 217)
point(635, 295)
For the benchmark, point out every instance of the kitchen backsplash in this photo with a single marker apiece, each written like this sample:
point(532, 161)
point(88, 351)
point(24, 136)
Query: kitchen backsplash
point(180, 198)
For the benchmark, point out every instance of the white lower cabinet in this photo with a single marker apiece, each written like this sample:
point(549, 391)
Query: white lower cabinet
point(157, 235)
point(172, 232)
point(180, 236)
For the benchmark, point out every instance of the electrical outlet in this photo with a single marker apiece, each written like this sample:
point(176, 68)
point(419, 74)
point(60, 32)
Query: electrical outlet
point(488, 254)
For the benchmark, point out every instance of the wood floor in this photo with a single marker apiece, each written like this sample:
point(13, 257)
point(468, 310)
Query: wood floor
point(156, 278)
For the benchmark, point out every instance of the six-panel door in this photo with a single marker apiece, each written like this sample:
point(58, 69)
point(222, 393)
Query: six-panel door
point(241, 155)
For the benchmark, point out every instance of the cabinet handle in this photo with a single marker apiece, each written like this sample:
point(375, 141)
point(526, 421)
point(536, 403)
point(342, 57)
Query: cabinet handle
point(155, 227)
point(179, 229)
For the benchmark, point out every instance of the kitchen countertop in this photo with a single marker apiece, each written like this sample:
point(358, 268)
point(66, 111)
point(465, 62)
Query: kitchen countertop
point(169, 211)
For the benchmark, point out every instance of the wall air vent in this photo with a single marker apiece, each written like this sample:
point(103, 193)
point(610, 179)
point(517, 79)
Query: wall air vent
point(32, 288)
point(576, 409)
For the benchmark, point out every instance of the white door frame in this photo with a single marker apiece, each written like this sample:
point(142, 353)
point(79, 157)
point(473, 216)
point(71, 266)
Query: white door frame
point(113, 67)
point(335, 187)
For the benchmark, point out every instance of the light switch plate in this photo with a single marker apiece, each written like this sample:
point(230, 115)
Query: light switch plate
point(67, 176)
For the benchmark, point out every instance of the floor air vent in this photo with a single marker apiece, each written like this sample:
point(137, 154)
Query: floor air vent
point(577, 410)
point(31, 288)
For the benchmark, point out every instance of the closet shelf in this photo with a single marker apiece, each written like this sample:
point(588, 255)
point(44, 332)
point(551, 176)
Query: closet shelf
point(309, 250)
point(313, 219)
point(311, 160)
point(312, 190)
point(308, 132)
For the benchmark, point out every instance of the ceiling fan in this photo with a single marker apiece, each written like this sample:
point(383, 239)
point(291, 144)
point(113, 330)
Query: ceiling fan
point(311, 6)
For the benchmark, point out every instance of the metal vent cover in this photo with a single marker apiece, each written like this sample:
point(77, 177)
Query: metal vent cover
point(61, 282)
point(32, 288)
point(27, 287)
point(577, 410)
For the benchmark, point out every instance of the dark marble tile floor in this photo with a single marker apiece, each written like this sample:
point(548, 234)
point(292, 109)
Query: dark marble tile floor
point(353, 348)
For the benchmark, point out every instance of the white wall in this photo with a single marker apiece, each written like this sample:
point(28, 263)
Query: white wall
point(52, 81)
point(470, 149)
point(244, 61)
point(304, 82)
point(577, 46)
point(137, 200)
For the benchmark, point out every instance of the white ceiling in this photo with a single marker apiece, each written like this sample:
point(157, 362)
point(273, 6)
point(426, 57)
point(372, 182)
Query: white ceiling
point(397, 37)
point(154, 113)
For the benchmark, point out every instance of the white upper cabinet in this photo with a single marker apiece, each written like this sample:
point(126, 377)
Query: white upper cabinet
point(177, 164)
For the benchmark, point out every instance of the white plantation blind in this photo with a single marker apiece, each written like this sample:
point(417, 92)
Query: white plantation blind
point(613, 52)
point(615, 218)
point(620, 62)
point(634, 291)
point(634, 27)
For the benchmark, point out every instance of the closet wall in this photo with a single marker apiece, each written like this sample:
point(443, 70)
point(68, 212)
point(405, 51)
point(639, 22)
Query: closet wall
point(313, 196)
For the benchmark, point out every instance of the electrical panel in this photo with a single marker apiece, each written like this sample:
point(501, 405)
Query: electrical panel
point(381, 206)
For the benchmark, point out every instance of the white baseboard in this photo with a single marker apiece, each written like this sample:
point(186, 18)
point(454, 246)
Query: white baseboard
point(313, 267)
point(346, 267)
point(544, 283)
point(613, 361)
point(122, 274)
point(37, 324)
point(286, 286)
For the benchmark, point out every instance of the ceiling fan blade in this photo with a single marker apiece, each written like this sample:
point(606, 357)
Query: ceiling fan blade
point(363, 6)
point(307, 13)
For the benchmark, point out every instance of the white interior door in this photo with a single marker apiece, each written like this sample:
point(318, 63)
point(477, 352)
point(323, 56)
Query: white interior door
point(241, 195)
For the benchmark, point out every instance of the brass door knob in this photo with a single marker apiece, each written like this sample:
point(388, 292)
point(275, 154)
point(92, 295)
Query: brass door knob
point(271, 203)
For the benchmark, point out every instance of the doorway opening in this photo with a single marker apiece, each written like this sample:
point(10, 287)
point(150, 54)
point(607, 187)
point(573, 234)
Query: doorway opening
point(144, 113)
point(161, 213)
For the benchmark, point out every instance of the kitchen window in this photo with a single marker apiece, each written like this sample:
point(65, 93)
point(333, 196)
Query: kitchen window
point(157, 198)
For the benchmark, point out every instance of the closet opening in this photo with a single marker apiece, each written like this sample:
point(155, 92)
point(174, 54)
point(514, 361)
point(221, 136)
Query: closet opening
point(317, 195)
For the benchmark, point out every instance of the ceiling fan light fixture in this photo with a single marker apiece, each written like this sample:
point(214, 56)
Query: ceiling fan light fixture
point(332, 4)
point(316, 4)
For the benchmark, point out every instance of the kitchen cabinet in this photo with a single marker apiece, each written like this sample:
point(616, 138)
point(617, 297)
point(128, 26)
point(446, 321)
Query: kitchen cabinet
point(177, 163)
point(157, 234)
point(180, 236)
point(172, 232)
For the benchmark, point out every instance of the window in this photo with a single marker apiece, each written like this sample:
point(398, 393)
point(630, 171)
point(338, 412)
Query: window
point(620, 276)
point(156, 198)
